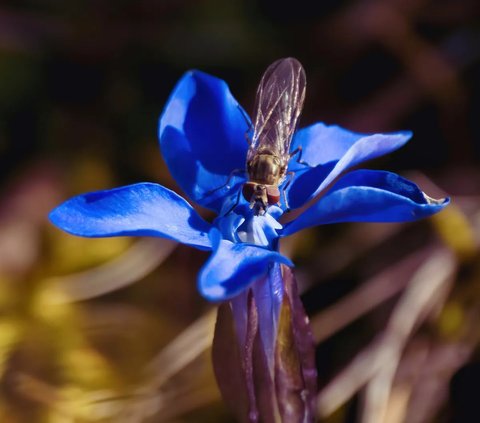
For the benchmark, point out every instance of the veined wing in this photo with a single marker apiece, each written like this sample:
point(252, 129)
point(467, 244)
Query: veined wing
point(279, 101)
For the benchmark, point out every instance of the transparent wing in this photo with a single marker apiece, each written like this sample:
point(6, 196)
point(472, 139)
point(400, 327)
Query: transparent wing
point(279, 101)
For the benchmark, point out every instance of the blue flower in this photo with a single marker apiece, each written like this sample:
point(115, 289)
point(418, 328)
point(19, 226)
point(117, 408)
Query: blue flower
point(202, 138)
point(263, 349)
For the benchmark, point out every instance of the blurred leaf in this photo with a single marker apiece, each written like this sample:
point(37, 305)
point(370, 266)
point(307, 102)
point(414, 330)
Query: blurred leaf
point(18, 75)
point(90, 173)
point(11, 331)
point(86, 369)
point(456, 231)
point(71, 254)
point(452, 320)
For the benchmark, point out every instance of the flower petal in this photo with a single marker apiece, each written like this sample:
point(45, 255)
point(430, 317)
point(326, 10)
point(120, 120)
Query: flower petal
point(304, 343)
point(260, 230)
point(368, 196)
point(268, 293)
point(329, 151)
point(240, 363)
point(228, 364)
point(202, 138)
point(321, 144)
point(295, 370)
point(233, 266)
point(141, 209)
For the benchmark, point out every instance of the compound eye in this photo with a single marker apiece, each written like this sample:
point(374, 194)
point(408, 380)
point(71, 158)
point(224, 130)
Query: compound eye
point(248, 191)
point(273, 195)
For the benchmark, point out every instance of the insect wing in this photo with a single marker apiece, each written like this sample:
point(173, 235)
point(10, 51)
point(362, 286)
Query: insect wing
point(279, 101)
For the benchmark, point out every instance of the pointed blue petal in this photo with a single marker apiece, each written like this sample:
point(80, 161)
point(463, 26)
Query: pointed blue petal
point(322, 144)
point(368, 196)
point(330, 151)
point(141, 209)
point(233, 266)
point(202, 138)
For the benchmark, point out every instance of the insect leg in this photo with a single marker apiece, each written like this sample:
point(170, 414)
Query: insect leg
point(230, 177)
point(299, 160)
point(235, 204)
point(290, 176)
point(227, 183)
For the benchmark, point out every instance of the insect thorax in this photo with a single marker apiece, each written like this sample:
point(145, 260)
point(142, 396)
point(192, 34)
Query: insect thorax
point(266, 168)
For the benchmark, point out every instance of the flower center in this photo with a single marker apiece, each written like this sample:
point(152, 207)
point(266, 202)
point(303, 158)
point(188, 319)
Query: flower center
point(242, 226)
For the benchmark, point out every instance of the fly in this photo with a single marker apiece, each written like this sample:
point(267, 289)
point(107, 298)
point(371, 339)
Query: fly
point(278, 104)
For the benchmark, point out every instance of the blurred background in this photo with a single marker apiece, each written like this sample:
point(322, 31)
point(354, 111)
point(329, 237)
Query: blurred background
point(113, 330)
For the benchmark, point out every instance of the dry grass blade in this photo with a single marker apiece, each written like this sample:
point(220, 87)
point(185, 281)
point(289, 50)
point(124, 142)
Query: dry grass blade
point(139, 260)
point(180, 352)
point(368, 296)
point(148, 400)
point(425, 290)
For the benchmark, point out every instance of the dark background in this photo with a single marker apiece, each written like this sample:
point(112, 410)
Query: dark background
point(82, 84)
